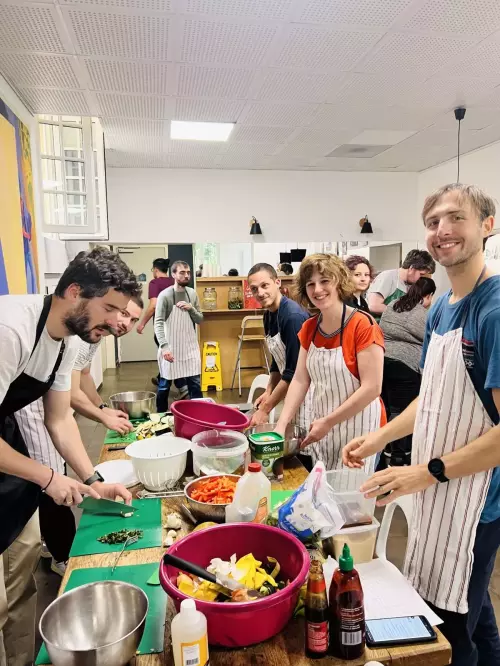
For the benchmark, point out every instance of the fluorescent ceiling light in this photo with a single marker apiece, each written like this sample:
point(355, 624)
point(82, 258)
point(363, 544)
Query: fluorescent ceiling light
point(183, 129)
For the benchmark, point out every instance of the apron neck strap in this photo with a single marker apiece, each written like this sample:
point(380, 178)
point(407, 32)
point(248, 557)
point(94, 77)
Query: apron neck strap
point(342, 324)
point(47, 302)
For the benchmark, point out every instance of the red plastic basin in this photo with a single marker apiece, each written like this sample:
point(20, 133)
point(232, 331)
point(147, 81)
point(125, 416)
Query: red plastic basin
point(238, 625)
point(192, 417)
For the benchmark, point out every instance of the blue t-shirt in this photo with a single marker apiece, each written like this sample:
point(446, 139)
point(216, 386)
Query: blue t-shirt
point(482, 345)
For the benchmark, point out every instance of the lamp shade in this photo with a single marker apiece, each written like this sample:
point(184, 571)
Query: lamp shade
point(255, 229)
point(366, 227)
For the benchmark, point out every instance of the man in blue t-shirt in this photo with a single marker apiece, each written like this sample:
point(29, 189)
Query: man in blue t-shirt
point(283, 319)
point(454, 534)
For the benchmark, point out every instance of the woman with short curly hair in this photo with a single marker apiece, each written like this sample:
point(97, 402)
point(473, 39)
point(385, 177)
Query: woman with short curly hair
point(362, 274)
point(341, 359)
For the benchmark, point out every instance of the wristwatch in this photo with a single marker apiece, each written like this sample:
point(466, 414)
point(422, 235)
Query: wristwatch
point(102, 405)
point(96, 476)
point(436, 468)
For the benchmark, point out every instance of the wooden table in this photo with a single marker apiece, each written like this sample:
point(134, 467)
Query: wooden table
point(286, 649)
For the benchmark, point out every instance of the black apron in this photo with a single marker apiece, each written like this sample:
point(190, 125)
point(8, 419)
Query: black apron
point(19, 498)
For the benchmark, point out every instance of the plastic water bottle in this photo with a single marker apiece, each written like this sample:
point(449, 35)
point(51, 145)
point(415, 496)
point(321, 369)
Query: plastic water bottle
point(252, 497)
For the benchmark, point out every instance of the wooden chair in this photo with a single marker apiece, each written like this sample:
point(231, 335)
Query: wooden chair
point(251, 322)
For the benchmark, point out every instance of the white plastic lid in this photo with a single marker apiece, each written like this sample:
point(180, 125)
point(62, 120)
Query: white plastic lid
point(188, 605)
point(219, 444)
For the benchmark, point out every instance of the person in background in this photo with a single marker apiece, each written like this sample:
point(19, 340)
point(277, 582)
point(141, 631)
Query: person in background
point(39, 343)
point(403, 324)
point(341, 359)
point(285, 269)
point(177, 313)
point(161, 280)
point(199, 272)
point(283, 319)
point(362, 274)
point(390, 285)
point(233, 272)
point(454, 478)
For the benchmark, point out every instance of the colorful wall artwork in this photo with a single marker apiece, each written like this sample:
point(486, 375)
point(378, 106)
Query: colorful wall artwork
point(18, 255)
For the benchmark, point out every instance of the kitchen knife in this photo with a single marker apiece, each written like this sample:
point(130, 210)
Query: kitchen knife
point(104, 506)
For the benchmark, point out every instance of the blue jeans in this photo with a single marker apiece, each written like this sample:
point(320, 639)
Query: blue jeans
point(474, 635)
point(193, 384)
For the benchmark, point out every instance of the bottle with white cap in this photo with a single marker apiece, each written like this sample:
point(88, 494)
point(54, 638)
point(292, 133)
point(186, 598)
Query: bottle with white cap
point(189, 636)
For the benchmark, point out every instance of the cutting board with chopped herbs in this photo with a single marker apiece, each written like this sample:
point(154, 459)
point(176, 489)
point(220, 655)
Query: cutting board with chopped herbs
point(114, 438)
point(138, 574)
point(94, 526)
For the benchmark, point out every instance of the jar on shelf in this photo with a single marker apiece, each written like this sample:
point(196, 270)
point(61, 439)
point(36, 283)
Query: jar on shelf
point(209, 298)
point(235, 298)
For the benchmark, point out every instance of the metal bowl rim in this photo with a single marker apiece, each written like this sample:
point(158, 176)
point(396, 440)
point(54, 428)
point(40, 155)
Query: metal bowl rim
point(100, 647)
point(207, 476)
point(149, 395)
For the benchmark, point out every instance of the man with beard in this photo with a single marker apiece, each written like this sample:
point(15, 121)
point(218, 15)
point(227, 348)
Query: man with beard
point(57, 521)
point(177, 313)
point(455, 472)
point(38, 355)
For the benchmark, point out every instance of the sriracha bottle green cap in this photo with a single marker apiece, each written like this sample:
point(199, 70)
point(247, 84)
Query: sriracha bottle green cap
point(346, 563)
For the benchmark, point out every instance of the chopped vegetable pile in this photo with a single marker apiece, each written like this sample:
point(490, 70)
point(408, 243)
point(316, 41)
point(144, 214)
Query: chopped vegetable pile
point(219, 490)
point(120, 536)
point(247, 570)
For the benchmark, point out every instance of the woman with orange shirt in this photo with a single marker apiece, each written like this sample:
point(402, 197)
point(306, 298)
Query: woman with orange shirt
point(341, 358)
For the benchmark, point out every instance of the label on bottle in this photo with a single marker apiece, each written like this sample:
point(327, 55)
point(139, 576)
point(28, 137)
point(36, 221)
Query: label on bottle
point(351, 624)
point(262, 511)
point(317, 636)
point(196, 653)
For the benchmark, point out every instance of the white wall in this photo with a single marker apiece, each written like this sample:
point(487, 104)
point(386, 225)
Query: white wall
point(184, 206)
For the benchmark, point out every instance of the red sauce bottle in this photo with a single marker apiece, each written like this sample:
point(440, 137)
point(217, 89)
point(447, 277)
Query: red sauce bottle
point(316, 612)
point(347, 613)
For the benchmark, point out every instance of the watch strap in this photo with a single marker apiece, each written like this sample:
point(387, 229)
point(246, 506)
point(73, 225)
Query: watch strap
point(96, 476)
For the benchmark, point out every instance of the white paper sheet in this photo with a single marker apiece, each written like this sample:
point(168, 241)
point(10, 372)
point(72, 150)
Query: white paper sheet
point(387, 592)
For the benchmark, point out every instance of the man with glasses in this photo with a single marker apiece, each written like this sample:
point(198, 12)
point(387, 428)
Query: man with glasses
point(176, 315)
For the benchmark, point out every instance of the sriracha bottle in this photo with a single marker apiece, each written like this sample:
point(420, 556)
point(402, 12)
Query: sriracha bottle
point(316, 612)
point(347, 613)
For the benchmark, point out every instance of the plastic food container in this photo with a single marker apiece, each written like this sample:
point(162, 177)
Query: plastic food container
point(159, 462)
point(193, 416)
point(346, 484)
point(220, 452)
point(268, 449)
point(237, 625)
point(361, 541)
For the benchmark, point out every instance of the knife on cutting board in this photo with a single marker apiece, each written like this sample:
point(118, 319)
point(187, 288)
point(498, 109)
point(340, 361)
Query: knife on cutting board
point(105, 506)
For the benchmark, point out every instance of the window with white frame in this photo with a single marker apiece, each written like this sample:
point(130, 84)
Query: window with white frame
point(73, 175)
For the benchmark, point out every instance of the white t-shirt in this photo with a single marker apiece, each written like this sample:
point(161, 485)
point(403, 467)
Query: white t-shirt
point(86, 353)
point(19, 317)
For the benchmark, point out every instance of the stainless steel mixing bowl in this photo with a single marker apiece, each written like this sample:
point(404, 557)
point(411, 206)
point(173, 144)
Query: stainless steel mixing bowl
point(201, 510)
point(137, 404)
point(99, 624)
point(294, 435)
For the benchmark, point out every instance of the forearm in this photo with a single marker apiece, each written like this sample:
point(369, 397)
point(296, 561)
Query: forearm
point(67, 440)
point(87, 385)
point(274, 380)
point(401, 426)
point(277, 395)
point(85, 407)
point(12, 462)
point(195, 312)
point(160, 331)
point(148, 314)
point(295, 396)
point(480, 455)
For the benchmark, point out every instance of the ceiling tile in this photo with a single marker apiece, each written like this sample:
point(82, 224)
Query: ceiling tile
point(456, 16)
point(131, 159)
point(146, 5)
point(131, 77)
point(27, 69)
point(260, 134)
point(373, 89)
point(252, 149)
point(130, 126)
point(208, 110)
point(286, 162)
point(449, 92)
point(342, 164)
point(239, 161)
point(132, 106)
point(379, 137)
point(214, 82)
point(475, 118)
point(122, 35)
point(259, 9)
point(71, 102)
point(209, 42)
point(306, 150)
point(29, 27)
point(196, 148)
point(280, 115)
point(315, 47)
point(373, 117)
point(299, 86)
point(361, 12)
point(327, 135)
point(135, 143)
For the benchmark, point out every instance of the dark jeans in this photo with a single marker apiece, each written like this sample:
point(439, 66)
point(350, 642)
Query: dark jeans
point(57, 525)
point(400, 387)
point(474, 635)
point(193, 384)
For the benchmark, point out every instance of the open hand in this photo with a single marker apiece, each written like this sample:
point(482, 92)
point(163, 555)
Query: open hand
point(115, 419)
point(64, 490)
point(397, 481)
point(259, 417)
point(168, 356)
point(317, 430)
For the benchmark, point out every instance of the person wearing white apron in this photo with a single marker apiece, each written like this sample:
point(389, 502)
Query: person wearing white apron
point(176, 315)
point(283, 319)
point(341, 359)
point(455, 529)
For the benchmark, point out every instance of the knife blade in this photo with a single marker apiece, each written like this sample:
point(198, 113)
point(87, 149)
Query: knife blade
point(104, 506)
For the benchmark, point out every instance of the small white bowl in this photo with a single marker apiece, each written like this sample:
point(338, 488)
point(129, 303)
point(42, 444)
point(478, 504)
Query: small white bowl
point(159, 462)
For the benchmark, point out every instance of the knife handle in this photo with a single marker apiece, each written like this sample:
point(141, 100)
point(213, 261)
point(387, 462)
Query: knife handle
point(189, 567)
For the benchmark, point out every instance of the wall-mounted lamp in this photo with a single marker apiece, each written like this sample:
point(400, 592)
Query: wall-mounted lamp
point(366, 227)
point(255, 229)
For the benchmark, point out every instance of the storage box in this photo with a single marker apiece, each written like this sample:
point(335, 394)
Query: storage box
point(361, 541)
point(346, 483)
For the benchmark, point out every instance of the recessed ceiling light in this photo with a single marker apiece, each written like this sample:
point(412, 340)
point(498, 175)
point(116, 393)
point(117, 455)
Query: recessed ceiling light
point(183, 129)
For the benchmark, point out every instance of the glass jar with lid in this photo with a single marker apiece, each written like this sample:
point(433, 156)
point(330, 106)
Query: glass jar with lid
point(235, 297)
point(209, 298)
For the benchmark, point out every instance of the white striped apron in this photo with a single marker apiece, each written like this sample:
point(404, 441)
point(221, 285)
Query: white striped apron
point(277, 350)
point(183, 343)
point(450, 414)
point(30, 420)
point(333, 383)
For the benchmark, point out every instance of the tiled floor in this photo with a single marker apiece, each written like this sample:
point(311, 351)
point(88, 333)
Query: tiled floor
point(137, 377)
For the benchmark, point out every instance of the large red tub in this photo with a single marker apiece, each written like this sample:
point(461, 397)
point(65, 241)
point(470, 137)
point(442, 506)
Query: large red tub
point(238, 625)
point(192, 417)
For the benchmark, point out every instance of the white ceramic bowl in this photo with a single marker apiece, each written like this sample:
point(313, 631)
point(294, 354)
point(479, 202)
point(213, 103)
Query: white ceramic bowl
point(159, 462)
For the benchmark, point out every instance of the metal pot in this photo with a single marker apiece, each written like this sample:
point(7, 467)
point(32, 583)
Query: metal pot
point(294, 436)
point(98, 624)
point(137, 404)
point(201, 510)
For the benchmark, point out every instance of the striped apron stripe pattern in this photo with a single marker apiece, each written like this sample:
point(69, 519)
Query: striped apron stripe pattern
point(450, 414)
point(30, 420)
point(183, 342)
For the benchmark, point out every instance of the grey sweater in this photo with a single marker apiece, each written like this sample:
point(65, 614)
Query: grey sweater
point(404, 334)
point(164, 305)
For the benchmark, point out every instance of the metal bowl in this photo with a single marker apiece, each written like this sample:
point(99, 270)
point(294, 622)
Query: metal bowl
point(294, 436)
point(137, 404)
point(98, 624)
point(201, 510)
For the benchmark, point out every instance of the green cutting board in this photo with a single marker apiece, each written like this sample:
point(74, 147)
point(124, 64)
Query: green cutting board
point(278, 496)
point(137, 574)
point(114, 438)
point(146, 518)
